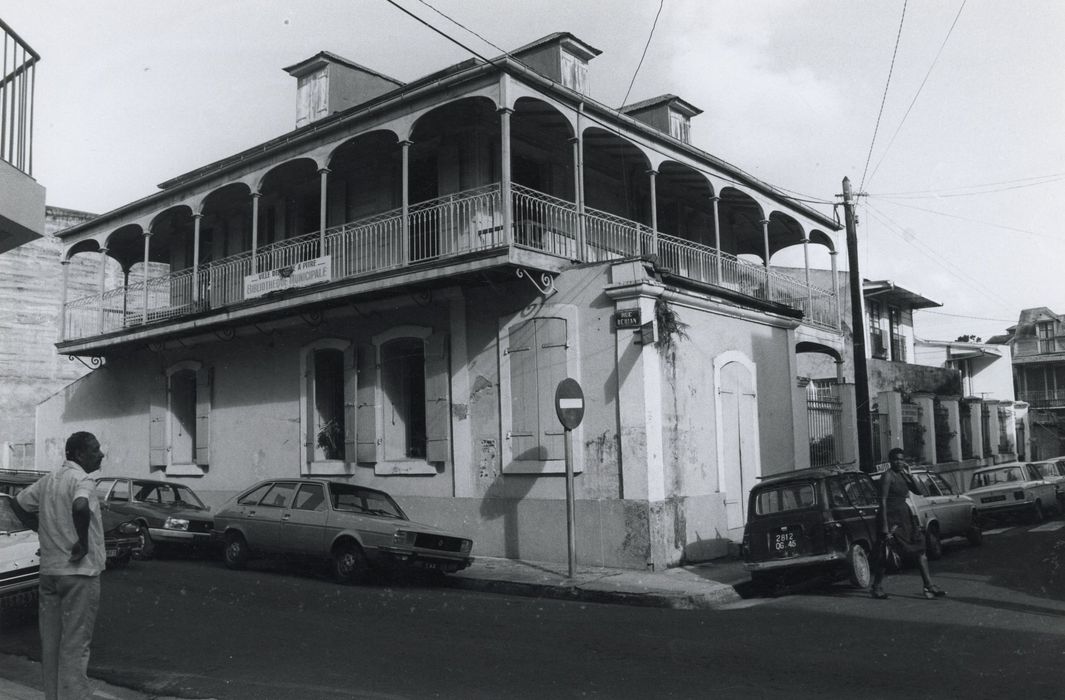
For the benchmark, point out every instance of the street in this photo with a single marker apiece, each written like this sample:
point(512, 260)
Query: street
point(192, 628)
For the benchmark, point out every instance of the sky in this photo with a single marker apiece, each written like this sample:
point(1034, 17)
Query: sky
point(946, 115)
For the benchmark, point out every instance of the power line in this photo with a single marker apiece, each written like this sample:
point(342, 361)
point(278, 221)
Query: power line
point(918, 93)
point(972, 221)
point(644, 54)
point(976, 192)
point(972, 318)
point(966, 187)
point(883, 99)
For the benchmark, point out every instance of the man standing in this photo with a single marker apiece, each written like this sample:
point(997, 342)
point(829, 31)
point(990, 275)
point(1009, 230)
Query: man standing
point(72, 558)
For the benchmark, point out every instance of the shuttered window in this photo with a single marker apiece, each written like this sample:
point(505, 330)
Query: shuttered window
point(179, 430)
point(328, 421)
point(536, 354)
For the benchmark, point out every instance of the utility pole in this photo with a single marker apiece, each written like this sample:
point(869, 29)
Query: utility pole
point(861, 370)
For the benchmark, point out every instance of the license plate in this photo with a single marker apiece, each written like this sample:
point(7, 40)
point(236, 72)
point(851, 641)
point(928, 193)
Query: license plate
point(430, 565)
point(785, 541)
point(992, 499)
point(112, 552)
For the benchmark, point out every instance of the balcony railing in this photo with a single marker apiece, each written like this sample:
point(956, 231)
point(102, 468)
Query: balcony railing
point(437, 230)
point(16, 100)
point(1055, 398)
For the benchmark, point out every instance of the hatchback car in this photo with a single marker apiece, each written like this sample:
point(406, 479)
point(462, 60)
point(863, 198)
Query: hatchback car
point(1053, 470)
point(1012, 489)
point(166, 512)
point(810, 521)
point(942, 513)
point(352, 527)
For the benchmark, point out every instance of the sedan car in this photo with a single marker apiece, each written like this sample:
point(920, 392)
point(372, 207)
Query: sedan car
point(1012, 489)
point(19, 559)
point(1053, 470)
point(165, 512)
point(943, 513)
point(352, 527)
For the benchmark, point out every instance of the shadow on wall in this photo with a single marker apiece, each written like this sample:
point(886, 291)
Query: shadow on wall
point(99, 395)
point(501, 502)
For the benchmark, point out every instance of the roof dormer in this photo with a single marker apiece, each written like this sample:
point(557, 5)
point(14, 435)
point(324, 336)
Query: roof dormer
point(327, 83)
point(561, 57)
point(667, 113)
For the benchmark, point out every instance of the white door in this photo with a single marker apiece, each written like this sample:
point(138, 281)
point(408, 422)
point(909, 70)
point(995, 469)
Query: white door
point(739, 437)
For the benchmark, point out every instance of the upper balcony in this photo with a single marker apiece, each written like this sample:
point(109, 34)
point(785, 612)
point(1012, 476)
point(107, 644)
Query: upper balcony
point(408, 193)
point(21, 198)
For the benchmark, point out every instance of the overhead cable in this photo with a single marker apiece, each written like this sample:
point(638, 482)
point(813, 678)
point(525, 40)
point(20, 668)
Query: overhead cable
point(644, 54)
point(883, 99)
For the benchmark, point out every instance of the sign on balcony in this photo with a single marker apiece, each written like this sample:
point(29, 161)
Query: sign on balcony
point(301, 274)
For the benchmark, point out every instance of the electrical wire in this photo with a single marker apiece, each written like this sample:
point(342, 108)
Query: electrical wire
point(987, 189)
point(971, 318)
point(965, 187)
point(918, 93)
point(967, 219)
point(644, 54)
point(883, 99)
point(584, 115)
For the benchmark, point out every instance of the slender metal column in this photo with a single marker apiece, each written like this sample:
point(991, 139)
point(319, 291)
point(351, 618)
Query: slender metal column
point(717, 237)
point(765, 241)
point(196, 257)
point(405, 243)
point(324, 172)
point(103, 272)
point(255, 196)
point(505, 176)
point(63, 303)
point(806, 261)
point(835, 289)
point(652, 173)
point(147, 242)
point(578, 196)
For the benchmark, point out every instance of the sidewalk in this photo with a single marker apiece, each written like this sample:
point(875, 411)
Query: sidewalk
point(692, 587)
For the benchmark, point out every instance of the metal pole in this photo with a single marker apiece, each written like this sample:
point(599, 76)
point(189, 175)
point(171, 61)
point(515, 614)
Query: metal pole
point(861, 370)
point(571, 533)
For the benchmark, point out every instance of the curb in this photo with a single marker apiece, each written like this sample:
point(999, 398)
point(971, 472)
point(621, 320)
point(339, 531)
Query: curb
point(589, 593)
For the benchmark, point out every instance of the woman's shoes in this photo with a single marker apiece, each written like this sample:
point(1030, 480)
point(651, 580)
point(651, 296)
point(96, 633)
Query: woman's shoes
point(878, 593)
point(932, 592)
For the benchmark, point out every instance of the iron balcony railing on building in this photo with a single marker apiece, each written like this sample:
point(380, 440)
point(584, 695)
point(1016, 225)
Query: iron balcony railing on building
point(1054, 398)
point(438, 230)
point(19, 66)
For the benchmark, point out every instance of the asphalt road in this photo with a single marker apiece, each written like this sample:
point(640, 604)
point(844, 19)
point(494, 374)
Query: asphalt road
point(192, 628)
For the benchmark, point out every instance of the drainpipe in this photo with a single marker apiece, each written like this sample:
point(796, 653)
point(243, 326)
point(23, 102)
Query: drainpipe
point(835, 289)
point(63, 304)
point(654, 212)
point(717, 237)
point(255, 231)
point(196, 258)
point(324, 172)
point(147, 242)
point(405, 243)
point(103, 271)
point(582, 240)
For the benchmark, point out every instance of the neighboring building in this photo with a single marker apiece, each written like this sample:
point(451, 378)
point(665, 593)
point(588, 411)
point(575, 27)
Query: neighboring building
point(30, 369)
point(391, 293)
point(1038, 345)
point(21, 197)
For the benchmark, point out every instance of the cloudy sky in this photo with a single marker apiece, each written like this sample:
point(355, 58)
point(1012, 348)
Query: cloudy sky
point(963, 178)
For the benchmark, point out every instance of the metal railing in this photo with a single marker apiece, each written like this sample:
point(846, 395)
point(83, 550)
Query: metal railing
point(17, 83)
point(438, 229)
point(1054, 398)
point(825, 413)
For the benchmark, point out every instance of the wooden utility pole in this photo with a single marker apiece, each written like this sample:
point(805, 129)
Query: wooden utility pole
point(861, 369)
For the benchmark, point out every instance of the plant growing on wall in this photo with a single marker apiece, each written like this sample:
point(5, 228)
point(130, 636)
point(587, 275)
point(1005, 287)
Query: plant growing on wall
point(329, 439)
point(670, 327)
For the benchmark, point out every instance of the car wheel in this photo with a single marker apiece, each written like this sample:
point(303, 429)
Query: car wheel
point(1037, 516)
point(975, 535)
point(858, 571)
point(349, 563)
point(147, 546)
point(933, 545)
point(236, 551)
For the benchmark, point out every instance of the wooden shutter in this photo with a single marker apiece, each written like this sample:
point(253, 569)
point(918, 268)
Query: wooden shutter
point(437, 400)
point(157, 415)
point(351, 385)
point(524, 416)
point(204, 388)
point(366, 448)
point(310, 434)
point(550, 370)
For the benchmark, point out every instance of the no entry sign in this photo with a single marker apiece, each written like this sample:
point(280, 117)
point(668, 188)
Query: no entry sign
point(569, 403)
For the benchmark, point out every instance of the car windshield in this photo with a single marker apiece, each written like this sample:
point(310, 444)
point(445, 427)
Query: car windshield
point(359, 500)
point(9, 522)
point(165, 494)
point(779, 499)
point(997, 476)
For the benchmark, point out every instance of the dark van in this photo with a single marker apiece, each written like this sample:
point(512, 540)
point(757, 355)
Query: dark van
point(810, 522)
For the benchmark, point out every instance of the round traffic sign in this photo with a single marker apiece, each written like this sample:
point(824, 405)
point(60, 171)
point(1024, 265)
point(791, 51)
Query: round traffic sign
point(569, 403)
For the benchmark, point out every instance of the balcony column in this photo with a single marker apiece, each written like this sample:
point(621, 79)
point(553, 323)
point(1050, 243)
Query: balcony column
point(835, 289)
point(196, 257)
point(324, 173)
point(992, 428)
point(890, 403)
point(765, 242)
point(976, 427)
point(806, 263)
point(255, 197)
point(147, 243)
point(578, 189)
point(717, 238)
point(405, 232)
point(652, 174)
point(103, 281)
point(505, 175)
point(65, 263)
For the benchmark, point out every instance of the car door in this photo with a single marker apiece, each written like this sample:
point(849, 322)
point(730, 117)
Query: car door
point(109, 518)
point(303, 527)
point(262, 521)
point(1044, 490)
point(854, 505)
point(946, 506)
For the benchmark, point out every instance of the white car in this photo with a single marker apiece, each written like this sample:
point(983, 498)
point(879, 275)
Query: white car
point(1053, 470)
point(19, 559)
point(948, 515)
point(1012, 489)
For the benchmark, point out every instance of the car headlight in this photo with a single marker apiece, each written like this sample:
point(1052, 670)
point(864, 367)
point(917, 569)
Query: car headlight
point(176, 524)
point(403, 538)
point(467, 545)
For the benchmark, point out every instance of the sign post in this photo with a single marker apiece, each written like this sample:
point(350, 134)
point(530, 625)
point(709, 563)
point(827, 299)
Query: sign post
point(569, 405)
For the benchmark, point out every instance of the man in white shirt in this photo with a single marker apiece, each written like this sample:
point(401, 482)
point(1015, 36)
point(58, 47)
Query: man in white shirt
point(72, 558)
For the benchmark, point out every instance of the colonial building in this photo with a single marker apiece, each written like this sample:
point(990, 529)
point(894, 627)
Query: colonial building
point(1038, 344)
point(391, 293)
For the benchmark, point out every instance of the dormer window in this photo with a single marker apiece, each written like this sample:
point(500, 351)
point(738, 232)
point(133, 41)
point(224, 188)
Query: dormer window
point(679, 127)
point(574, 73)
point(312, 97)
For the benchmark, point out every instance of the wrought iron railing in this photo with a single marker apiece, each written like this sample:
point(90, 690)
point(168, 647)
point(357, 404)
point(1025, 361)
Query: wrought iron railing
point(824, 411)
point(16, 99)
point(438, 229)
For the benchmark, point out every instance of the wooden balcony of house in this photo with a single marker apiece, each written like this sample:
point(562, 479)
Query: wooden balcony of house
point(434, 235)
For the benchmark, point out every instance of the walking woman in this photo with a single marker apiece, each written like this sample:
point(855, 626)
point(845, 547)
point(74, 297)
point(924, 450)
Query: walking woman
point(897, 522)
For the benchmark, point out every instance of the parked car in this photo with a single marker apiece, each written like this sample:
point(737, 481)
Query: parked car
point(164, 512)
point(942, 513)
point(1053, 470)
point(1015, 488)
point(352, 527)
point(19, 559)
point(811, 521)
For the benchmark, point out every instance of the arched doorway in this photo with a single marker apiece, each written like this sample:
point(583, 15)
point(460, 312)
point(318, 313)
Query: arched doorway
point(739, 459)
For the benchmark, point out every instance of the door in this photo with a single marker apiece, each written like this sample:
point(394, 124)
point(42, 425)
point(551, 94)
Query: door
point(738, 405)
point(262, 522)
point(951, 510)
point(303, 526)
